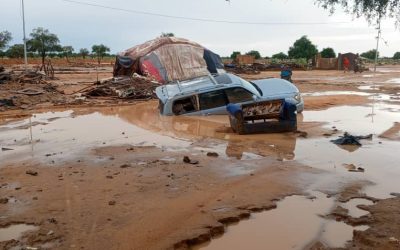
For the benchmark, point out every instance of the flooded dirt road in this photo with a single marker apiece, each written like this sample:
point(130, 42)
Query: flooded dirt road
point(114, 178)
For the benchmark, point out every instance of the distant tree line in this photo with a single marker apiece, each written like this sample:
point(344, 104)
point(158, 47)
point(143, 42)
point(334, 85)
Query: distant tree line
point(41, 43)
point(303, 48)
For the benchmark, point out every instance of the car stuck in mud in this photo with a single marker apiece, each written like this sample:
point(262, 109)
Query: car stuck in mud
point(209, 95)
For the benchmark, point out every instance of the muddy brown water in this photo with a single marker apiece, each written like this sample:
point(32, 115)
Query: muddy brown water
point(15, 232)
point(293, 225)
point(62, 136)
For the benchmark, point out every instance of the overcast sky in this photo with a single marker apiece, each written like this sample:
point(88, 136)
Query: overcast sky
point(83, 26)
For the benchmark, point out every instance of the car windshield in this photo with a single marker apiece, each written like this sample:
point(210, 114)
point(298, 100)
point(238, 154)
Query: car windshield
point(250, 86)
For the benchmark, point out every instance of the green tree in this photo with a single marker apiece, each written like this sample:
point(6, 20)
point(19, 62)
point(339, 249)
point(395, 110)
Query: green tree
point(83, 52)
point(372, 10)
point(5, 38)
point(43, 42)
point(280, 56)
point(15, 51)
point(235, 54)
point(370, 54)
point(168, 34)
point(396, 56)
point(67, 51)
point(254, 53)
point(303, 48)
point(328, 53)
point(100, 51)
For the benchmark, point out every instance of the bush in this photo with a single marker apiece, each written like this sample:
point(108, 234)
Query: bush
point(328, 53)
point(303, 48)
point(280, 55)
point(370, 54)
point(254, 53)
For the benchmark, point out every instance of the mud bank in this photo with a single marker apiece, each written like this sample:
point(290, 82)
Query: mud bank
point(135, 191)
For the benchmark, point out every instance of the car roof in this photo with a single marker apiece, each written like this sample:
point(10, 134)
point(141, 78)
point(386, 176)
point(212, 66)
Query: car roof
point(197, 85)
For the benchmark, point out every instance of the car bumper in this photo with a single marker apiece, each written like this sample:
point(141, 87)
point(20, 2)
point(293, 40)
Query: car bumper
point(299, 104)
point(300, 107)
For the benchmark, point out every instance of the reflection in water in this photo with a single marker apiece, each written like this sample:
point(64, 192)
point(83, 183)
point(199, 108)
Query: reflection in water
point(14, 232)
point(64, 134)
point(283, 150)
point(66, 137)
point(357, 120)
point(281, 145)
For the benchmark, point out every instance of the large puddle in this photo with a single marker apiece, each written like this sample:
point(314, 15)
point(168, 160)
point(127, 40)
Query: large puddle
point(296, 221)
point(327, 93)
point(394, 80)
point(14, 232)
point(295, 224)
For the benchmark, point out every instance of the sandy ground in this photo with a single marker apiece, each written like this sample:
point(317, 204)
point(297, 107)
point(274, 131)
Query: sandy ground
point(95, 192)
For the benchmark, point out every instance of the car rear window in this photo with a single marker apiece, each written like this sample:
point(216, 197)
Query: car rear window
point(213, 99)
point(223, 79)
point(238, 95)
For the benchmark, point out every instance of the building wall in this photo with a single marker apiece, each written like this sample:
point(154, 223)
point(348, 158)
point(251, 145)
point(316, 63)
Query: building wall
point(326, 63)
point(245, 59)
point(350, 56)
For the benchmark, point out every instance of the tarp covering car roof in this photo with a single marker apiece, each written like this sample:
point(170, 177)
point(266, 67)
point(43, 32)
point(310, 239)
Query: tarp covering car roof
point(167, 59)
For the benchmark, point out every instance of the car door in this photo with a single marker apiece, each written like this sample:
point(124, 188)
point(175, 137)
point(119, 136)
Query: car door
point(213, 102)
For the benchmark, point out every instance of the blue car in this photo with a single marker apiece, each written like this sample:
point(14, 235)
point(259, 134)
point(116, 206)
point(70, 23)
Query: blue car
point(209, 95)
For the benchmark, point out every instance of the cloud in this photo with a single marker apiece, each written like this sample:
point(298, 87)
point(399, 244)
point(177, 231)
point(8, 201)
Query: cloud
point(83, 26)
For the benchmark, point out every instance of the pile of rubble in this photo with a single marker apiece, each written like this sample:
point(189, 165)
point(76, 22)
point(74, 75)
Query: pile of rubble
point(31, 77)
point(135, 87)
point(242, 69)
point(255, 68)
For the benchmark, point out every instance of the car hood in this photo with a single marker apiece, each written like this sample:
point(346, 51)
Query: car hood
point(276, 87)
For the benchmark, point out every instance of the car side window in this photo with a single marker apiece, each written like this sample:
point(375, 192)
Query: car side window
point(185, 105)
point(212, 99)
point(238, 95)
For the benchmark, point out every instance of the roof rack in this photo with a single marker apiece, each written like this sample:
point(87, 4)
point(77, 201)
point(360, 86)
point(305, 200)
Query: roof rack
point(181, 84)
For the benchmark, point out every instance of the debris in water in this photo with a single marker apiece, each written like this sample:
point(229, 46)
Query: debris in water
point(125, 166)
point(29, 91)
point(52, 220)
point(358, 170)
point(31, 172)
point(348, 139)
point(112, 203)
point(7, 102)
point(31, 248)
point(186, 159)
point(302, 134)
point(3, 200)
point(212, 154)
point(353, 168)
point(134, 87)
point(6, 149)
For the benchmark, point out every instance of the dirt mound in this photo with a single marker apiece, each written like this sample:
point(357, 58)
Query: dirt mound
point(256, 68)
point(25, 95)
point(32, 77)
